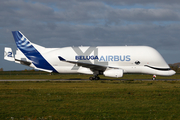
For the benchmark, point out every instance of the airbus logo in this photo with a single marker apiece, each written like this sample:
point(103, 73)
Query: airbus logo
point(115, 58)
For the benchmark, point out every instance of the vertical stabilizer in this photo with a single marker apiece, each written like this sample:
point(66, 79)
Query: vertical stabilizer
point(8, 54)
point(31, 52)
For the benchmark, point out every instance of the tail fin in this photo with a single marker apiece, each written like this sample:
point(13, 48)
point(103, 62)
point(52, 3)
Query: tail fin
point(8, 54)
point(29, 50)
point(23, 43)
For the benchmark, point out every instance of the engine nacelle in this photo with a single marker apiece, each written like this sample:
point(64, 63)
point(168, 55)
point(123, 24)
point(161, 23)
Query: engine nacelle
point(113, 73)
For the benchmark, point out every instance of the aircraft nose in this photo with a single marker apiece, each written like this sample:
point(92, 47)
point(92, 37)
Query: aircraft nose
point(172, 72)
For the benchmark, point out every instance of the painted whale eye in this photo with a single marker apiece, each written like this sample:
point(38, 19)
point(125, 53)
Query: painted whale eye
point(137, 62)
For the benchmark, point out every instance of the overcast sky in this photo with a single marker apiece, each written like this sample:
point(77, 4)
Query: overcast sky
point(60, 23)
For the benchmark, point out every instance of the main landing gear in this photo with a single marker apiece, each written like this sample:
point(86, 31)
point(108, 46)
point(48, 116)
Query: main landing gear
point(95, 77)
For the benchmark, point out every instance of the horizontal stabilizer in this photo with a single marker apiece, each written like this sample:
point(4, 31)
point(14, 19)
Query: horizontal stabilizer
point(23, 62)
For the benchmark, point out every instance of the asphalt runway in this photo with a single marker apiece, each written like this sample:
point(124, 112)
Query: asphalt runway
point(39, 80)
point(18, 80)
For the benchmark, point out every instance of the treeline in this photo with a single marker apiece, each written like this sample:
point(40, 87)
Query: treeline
point(175, 68)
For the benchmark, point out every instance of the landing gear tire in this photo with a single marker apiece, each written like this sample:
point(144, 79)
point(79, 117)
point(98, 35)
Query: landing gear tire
point(97, 78)
point(91, 78)
point(94, 78)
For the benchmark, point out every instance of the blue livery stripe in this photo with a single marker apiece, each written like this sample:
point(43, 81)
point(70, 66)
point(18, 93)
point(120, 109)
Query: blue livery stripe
point(30, 52)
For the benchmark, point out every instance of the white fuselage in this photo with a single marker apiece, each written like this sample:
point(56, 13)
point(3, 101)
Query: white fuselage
point(132, 59)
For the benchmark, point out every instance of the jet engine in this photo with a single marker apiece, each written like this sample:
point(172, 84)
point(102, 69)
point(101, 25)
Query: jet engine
point(113, 73)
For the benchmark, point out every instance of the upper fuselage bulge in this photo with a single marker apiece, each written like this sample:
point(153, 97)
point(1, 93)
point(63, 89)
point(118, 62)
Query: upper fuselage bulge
point(131, 59)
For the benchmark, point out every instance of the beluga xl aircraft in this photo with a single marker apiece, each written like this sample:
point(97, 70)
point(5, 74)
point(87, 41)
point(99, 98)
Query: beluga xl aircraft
point(110, 61)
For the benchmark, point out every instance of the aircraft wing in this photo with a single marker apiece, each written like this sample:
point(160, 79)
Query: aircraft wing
point(93, 67)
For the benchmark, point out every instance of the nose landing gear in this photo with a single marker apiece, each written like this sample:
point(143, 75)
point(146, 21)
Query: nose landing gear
point(154, 77)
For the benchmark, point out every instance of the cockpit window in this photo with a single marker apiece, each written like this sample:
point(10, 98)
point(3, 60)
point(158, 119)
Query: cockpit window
point(137, 62)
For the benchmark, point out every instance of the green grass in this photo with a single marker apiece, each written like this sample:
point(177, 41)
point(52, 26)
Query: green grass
point(5, 75)
point(87, 100)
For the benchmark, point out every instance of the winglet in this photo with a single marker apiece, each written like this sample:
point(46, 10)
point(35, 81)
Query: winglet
point(61, 59)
